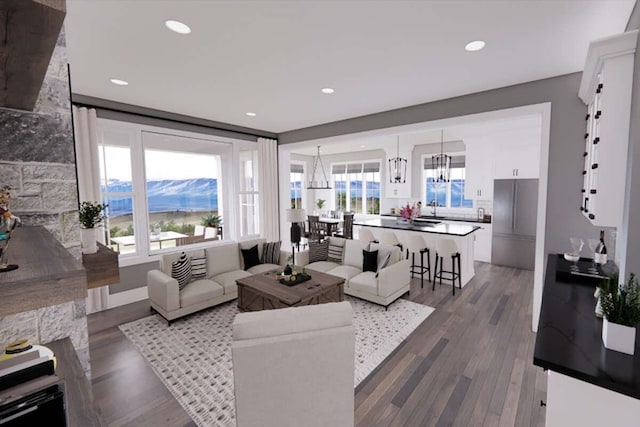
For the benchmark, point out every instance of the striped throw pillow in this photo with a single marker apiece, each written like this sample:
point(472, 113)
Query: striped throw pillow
point(335, 251)
point(271, 252)
point(181, 270)
point(318, 251)
point(198, 268)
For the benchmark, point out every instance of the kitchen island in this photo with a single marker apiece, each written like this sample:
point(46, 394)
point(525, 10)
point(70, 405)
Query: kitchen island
point(431, 231)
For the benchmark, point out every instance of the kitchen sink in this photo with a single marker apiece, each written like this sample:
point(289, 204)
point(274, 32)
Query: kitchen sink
point(425, 221)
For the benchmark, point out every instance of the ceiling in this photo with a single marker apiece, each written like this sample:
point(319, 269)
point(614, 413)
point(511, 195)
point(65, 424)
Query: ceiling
point(273, 57)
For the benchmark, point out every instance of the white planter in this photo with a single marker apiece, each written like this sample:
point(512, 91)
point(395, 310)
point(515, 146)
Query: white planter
point(618, 337)
point(88, 240)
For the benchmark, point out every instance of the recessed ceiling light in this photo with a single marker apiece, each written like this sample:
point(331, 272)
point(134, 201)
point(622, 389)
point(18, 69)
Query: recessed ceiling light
point(119, 82)
point(474, 45)
point(177, 26)
point(362, 146)
point(250, 114)
point(327, 90)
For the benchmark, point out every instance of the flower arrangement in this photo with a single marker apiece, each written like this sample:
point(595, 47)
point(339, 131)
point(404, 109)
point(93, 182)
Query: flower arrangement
point(91, 214)
point(409, 212)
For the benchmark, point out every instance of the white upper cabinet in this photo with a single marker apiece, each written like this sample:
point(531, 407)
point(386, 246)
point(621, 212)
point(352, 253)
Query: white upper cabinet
point(517, 154)
point(478, 183)
point(606, 89)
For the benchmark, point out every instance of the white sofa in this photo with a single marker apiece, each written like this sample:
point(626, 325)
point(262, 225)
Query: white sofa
point(383, 287)
point(294, 366)
point(224, 263)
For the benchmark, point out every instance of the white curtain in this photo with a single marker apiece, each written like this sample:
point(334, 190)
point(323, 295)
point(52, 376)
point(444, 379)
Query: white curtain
point(85, 128)
point(268, 188)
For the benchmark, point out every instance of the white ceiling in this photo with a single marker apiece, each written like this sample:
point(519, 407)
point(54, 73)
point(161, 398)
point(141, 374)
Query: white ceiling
point(273, 57)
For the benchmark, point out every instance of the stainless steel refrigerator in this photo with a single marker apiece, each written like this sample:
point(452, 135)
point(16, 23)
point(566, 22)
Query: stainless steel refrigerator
point(515, 204)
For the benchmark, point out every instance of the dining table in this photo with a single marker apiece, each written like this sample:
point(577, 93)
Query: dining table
point(329, 224)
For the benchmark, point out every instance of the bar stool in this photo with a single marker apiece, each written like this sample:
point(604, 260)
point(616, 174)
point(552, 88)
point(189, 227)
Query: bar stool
point(389, 238)
point(417, 245)
point(366, 235)
point(447, 247)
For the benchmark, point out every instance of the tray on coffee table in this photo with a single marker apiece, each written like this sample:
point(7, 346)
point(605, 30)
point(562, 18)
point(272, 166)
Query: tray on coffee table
point(299, 279)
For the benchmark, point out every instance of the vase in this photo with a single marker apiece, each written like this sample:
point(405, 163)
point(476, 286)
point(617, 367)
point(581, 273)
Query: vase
point(88, 240)
point(618, 337)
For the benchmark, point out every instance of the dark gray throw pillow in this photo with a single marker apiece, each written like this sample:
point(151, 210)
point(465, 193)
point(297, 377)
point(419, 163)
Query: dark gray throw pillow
point(250, 257)
point(271, 252)
point(369, 261)
point(318, 251)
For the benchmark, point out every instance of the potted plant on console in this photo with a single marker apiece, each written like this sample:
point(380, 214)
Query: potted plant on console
point(90, 215)
point(621, 311)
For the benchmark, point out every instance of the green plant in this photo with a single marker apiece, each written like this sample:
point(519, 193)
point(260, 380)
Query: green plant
point(91, 213)
point(320, 203)
point(212, 220)
point(621, 304)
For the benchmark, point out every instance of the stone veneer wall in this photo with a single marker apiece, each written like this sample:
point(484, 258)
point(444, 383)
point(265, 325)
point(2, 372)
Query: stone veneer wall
point(37, 159)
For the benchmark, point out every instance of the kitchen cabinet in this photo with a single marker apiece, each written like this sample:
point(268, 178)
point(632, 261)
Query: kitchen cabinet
point(517, 155)
point(482, 240)
point(478, 183)
point(606, 89)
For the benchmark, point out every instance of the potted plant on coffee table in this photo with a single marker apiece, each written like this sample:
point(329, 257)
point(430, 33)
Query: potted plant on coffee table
point(621, 312)
point(90, 215)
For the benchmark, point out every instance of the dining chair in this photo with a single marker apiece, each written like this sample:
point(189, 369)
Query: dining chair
point(347, 227)
point(199, 230)
point(315, 228)
point(210, 233)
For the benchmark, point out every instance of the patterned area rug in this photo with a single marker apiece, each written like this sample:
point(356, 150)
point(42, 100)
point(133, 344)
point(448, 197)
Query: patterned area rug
point(193, 356)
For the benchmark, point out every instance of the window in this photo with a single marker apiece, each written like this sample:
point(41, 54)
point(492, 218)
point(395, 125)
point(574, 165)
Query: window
point(160, 188)
point(296, 178)
point(447, 194)
point(117, 191)
point(248, 194)
point(357, 187)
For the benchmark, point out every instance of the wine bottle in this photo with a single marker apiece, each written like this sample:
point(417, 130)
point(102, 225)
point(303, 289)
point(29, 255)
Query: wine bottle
point(600, 256)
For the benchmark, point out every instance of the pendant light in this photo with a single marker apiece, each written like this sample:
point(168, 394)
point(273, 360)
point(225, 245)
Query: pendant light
point(441, 163)
point(313, 183)
point(397, 167)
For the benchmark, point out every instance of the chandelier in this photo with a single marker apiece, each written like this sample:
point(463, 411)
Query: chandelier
point(397, 167)
point(313, 183)
point(441, 163)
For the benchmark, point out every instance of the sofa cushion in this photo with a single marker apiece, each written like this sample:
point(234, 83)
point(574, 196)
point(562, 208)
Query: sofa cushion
point(322, 266)
point(222, 258)
point(365, 282)
point(250, 257)
point(199, 291)
point(345, 271)
point(228, 280)
point(318, 251)
point(271, 252)
point(353, 252)
point(336, 249)
point(395, 254)
point(181, 270)
point(168, 259)
point(198, 267)
point(369, 261)
point(261, 268)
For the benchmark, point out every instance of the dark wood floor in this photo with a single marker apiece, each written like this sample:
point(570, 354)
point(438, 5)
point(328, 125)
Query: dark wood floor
point(468, 364)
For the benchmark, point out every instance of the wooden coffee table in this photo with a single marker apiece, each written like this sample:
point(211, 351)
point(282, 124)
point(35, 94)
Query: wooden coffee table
point(264, 292)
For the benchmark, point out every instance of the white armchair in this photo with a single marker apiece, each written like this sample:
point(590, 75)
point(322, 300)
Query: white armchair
point(295, 366)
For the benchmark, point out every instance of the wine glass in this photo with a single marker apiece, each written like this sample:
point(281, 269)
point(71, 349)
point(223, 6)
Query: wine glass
point(576, 247)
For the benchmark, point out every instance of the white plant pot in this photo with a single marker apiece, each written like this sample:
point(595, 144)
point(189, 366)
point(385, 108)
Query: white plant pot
point(618, 337)
point(88, 240)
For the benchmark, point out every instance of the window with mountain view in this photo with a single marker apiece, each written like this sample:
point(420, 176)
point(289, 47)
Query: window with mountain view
point(446, 194)
point(182, 192)
point(296, 179)
point(357, 187)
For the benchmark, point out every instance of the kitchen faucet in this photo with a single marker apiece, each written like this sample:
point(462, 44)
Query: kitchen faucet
point(434, 204)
